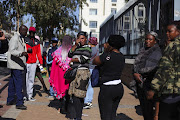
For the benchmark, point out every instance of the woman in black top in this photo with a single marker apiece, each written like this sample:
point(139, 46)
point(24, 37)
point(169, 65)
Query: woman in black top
point(111, 64)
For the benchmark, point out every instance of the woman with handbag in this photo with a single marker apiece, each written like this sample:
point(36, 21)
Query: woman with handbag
point(59, 66)
point(111, 90)
point(80, 54)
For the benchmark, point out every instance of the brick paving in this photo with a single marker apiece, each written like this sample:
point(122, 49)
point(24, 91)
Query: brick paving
point(39, 110)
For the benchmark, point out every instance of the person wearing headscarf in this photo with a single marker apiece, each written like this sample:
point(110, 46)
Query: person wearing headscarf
point(60, 65)
point(111, 64)
point(145, 67)
point(95, 52)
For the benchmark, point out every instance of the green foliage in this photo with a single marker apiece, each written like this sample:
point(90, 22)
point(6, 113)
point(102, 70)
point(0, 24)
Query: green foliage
point(48, 14)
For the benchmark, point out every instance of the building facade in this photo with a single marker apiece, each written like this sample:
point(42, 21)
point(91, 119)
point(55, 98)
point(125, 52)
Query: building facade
point(95, 13)
point(137, 18)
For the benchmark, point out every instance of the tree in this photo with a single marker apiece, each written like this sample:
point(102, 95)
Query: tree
point(53, 14)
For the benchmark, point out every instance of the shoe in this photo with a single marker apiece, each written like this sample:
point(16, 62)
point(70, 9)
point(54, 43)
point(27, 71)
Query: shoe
point(49, 96)
point(87, 105)
point(10, 103)
point(32, 99)
point(22, 107)
point(25, 99)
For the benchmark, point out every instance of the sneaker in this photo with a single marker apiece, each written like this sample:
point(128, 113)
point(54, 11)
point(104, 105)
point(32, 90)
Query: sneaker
point(32, 99)
point(25, 99)
point(49, 96)
point(10, 103)
point(87, 105)
point(22, 107)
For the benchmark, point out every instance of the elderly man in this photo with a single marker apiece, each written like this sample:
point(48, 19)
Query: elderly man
point(16, 62)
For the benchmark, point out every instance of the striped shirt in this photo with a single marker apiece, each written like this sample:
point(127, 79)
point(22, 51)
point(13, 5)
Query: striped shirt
point(83, 53)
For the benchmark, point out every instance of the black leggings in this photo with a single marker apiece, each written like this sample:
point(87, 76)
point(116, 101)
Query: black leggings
point(108, 99)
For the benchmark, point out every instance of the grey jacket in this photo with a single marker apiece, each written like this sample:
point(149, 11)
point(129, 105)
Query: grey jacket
point(15, 60)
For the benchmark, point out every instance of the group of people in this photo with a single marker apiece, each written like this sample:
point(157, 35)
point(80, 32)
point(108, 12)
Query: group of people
point(156, 72)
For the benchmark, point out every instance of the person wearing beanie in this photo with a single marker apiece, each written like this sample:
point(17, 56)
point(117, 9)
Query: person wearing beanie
point(111, 64)
point(95, 52)
point(34, 53)
point(145, 67)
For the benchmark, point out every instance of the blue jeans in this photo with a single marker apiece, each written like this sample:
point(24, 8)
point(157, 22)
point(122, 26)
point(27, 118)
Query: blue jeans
point(15, 86)
point(51, 91)
point(90, 92)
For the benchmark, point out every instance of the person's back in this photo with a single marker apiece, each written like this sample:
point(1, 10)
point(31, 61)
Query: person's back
point(112, 66)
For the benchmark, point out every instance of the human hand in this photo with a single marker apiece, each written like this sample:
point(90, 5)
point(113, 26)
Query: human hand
point(155, 117)
point(138, 77)
point(150, 94)
point(24, 54)
point(77, 42)
point(29, 50)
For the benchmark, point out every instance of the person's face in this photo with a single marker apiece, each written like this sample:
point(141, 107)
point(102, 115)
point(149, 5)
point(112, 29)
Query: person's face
point(172, 32)
point(23, 32)
point(32, 34)
point(106, 47)
point(82, 39)
point(150, 41)
point(54, 44)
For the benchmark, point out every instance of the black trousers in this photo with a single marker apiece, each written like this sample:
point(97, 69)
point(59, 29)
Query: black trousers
point(146, 105)
point(169, 111)
point(108, 99)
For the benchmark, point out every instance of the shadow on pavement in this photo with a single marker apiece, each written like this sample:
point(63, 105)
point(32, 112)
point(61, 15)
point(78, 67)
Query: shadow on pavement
point(122, 116)
point(37, 90)
point(54, 104)
point(138, 110)
point(6, 118)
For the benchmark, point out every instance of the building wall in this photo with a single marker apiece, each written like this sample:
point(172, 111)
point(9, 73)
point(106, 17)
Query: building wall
point(103, 11)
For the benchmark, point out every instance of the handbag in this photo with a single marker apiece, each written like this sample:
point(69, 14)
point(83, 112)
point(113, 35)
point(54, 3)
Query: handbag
point(70, 74)
point(95, 77)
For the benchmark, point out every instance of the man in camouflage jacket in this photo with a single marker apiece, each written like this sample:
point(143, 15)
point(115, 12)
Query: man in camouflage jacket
point(166, 83)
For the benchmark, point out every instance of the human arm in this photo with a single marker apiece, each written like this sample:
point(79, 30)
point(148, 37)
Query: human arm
point(38, 52)
point(156, 111)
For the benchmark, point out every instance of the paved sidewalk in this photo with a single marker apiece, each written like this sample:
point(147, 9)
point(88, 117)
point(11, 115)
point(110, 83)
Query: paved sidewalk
point(40, 110)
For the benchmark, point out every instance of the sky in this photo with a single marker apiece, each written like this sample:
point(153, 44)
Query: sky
point(177, 10)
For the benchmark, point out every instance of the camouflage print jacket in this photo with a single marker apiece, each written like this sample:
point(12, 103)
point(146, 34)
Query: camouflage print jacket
point(167, 77)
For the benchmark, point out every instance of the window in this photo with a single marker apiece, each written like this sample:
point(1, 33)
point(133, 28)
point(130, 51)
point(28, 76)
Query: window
point(92, 24)
point(113, 10)
point(92, 11)
point(93, 1)
point(140, 13)
point(94, 35)
point(126, 25)
point(113, 0)
point(113, 4)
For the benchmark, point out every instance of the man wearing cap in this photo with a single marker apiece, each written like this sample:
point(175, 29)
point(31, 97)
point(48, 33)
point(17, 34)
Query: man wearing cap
point(49, 61)
point(34, 52)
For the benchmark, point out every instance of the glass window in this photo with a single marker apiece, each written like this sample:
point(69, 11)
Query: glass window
point(94, 35)
point(92, 11)
point(92, 24)
point(113, 0)
point(113, 10)
point(93, 1)
point(126, 25)
point(140, 12)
